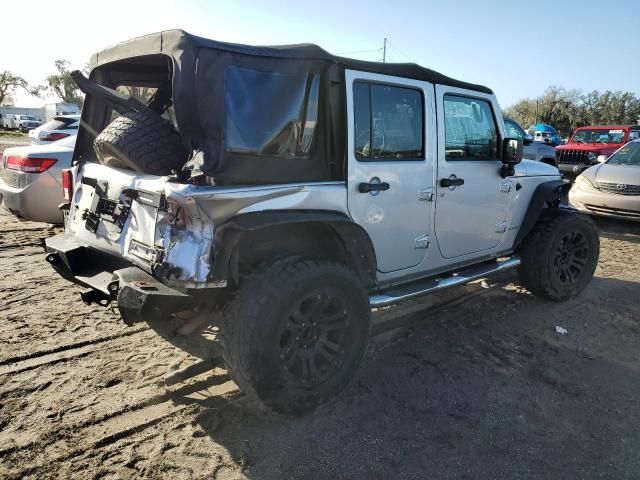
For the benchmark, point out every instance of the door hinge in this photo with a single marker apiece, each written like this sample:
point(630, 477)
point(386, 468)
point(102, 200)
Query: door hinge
point(506, 187)
point(502, 227)
point(426, 194)
point(423, 241)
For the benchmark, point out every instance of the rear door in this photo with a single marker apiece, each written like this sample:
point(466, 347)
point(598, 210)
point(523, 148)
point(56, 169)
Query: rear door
point(390, 164)
point(472, 197)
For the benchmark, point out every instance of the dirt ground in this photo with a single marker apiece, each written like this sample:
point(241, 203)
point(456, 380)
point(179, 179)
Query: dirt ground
point(474, 383)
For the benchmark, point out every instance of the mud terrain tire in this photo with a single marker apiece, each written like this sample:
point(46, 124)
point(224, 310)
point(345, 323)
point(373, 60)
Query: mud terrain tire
point(142, 142)
point(295, 333)
point(560, 255)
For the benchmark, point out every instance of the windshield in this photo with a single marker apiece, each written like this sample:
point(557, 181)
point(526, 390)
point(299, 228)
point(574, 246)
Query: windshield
point(627, 155)
point(59, 123)
point(599, 135)
point(27, 117)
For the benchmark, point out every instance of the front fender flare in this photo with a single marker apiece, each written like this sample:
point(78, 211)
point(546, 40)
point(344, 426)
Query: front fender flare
point(547, 194)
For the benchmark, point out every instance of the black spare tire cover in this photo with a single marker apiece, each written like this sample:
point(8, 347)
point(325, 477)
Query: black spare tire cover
point(143, 142)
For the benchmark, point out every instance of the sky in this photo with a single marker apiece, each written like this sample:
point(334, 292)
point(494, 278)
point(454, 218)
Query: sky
point(517, 48)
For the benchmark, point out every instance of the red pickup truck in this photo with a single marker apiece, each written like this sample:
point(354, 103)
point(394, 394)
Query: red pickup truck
point(589, 143)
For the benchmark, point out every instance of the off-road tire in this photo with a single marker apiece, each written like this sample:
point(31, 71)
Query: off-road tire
point(274, 312)
point(560, 255)
point(143, 142)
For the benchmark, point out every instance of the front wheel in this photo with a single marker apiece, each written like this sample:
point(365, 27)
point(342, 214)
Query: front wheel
point(560, 255)
point(295, 333)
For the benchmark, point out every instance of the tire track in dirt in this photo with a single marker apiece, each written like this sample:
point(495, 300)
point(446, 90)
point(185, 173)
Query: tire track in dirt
point(122, 423)
point(64, 348)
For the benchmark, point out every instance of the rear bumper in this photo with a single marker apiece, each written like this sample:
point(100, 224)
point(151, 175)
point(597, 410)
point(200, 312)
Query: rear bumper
point(37, 199)
point(107, 278)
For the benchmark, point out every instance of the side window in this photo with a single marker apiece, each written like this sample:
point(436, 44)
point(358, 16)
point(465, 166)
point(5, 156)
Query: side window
point(513, 130)
point(388, 122)
point(469, 129)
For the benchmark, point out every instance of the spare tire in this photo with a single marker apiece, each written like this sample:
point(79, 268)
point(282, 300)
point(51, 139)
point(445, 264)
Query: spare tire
point(143, 142)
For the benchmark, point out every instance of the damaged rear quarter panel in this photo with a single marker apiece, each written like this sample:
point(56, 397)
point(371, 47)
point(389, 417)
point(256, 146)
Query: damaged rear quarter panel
point(186, 234)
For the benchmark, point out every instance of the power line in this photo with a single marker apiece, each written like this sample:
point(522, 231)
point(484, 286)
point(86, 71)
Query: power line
point(397, 50)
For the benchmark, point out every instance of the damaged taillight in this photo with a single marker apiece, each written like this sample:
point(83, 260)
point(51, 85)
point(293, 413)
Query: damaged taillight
point(67, 185)
point(29, 165)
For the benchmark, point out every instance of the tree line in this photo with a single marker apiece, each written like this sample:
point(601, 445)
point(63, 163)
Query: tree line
point(567, 110)
point(59, 84)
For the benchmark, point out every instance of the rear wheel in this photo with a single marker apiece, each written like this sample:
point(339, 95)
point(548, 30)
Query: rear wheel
point(295, 333)
point(560, 255)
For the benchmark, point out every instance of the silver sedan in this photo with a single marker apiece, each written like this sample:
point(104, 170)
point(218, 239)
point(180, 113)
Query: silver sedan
point(611, 189)
point(31, 179)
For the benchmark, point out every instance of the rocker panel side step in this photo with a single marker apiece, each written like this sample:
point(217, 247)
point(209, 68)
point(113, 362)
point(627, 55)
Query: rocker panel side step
point(423, 287)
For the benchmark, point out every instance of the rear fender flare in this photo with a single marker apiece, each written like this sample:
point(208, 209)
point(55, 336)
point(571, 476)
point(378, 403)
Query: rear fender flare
point(355, 241)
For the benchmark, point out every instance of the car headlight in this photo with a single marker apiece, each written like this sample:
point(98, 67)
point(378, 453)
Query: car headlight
point(591, 156)
point(583, 183)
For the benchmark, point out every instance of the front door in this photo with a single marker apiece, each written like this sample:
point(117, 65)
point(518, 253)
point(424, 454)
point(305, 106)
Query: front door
point(472, 197)
point(390, 164)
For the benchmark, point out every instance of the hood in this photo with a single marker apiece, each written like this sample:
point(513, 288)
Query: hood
point(537, 169)
point(604, 148)
point(627, 174)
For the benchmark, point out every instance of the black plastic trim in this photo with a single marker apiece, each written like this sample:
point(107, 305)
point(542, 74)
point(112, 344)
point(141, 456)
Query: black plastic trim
point(547, 194)
point(354, 238)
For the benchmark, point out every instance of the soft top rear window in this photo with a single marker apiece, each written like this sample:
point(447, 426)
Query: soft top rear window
point(58, 123)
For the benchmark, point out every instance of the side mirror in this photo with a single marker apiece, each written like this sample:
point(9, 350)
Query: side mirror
point(602, 158)
point(528, 139)
point(511, 156)
point(511, 151)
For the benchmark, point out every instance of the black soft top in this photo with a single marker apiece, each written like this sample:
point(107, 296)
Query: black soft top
point(241, 124)
point(177, 44)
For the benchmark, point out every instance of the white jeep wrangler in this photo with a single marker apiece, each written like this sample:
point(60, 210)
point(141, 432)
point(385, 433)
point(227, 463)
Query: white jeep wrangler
point(293, 191)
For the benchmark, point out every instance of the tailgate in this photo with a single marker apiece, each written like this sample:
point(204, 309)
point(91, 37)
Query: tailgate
point(116, 211)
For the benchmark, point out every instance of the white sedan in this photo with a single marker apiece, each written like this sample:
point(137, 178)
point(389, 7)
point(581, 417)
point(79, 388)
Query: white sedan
point(57, 128)
point(31, 179)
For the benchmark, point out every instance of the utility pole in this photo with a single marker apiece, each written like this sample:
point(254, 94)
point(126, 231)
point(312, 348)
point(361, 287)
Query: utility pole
point(384, 51)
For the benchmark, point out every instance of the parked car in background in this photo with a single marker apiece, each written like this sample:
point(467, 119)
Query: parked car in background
point(57, 128)
point(538, 151)
point(31, 179)
point(588, 143)
point(545, 134)
point(611, 189)
point(24, 123)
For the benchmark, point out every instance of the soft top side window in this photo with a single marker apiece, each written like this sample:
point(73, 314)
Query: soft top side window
point(470, 129)
point(388, 122)
point(271, 113)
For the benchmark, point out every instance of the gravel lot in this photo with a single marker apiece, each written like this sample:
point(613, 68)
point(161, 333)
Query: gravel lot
point(474, 383)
